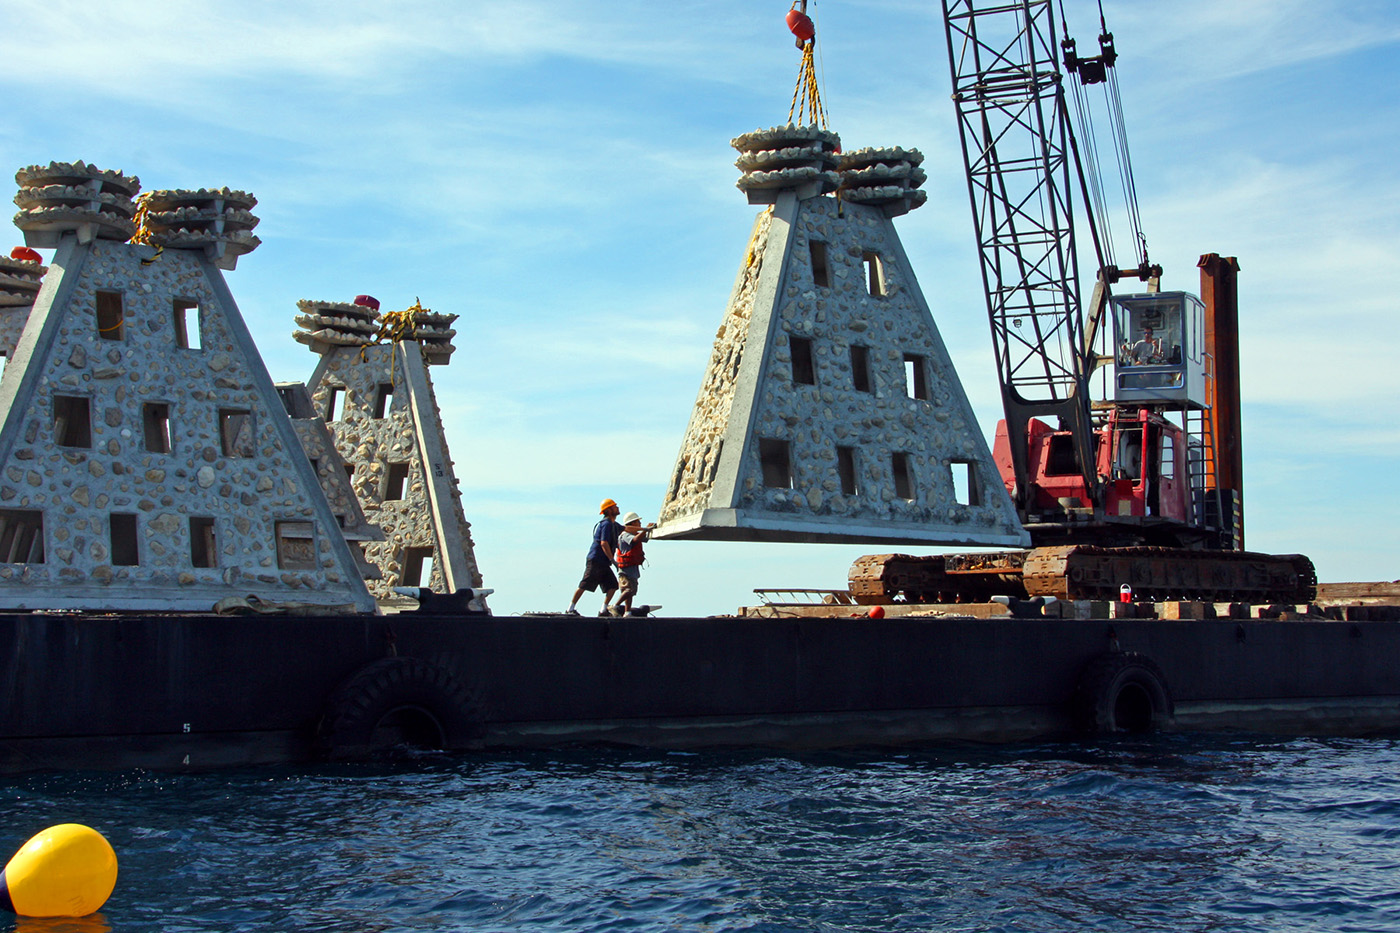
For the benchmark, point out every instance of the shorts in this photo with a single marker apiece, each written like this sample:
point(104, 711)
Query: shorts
point(629, 578)
point(598, 573)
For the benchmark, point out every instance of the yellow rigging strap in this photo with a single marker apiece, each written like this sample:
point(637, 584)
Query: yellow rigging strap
point(396, 327)
point(143, 235)
point(806, 98)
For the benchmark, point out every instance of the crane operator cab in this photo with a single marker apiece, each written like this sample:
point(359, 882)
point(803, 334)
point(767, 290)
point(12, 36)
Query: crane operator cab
point(1160, 356)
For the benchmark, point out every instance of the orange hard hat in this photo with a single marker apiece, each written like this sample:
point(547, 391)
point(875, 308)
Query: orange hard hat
point(607, 504)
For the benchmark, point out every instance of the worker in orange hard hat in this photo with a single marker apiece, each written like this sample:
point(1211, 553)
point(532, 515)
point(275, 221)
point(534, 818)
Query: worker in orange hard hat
point(602, 552)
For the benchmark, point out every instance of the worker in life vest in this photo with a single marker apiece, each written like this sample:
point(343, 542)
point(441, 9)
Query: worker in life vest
point(629, 560)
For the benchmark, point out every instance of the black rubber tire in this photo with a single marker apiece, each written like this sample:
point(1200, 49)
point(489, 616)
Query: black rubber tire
point(1122, 691)
point(397, 702)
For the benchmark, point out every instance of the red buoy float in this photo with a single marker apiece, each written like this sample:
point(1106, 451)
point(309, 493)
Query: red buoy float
point(367, 301)
point(25, 254)
point(801, 25)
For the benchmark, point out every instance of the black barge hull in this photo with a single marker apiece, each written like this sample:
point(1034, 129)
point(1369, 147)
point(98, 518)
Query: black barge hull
point(175, 691)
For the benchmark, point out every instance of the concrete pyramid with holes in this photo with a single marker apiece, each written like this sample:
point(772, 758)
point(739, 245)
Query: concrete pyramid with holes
point(372, 386)
point(830, 410)
point(146, 460)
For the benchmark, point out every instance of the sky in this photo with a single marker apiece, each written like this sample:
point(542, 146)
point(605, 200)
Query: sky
point(558, 173)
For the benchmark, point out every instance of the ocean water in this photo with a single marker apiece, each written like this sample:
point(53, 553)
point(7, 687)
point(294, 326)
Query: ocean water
point(1175, 833)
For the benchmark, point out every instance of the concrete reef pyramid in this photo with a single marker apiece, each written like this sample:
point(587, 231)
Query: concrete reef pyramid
point(20, 277)
point(373, 389)
point(146, 459)
point(830, 410)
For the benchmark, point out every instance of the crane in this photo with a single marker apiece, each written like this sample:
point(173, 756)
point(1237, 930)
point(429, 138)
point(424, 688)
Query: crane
point(1139, 487)
point(1025, 166)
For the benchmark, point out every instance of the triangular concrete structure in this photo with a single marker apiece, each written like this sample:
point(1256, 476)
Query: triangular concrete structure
point(146, 461)
point(330, 469)
point(372, 387)
point(830, 410)
point(20, 278)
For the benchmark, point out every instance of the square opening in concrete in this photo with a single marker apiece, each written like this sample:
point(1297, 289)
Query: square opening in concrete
point(125, 550)
point(776, 463)
point(821, 274)
point(416, 566)
point(383, 399)
point(296, 545)
point(965, 486)
point(236, 432)
point(860, 368)
point(846, 469)
point(915, 376)
point(110, 324)
point(395, 480)
point(874, 273)
point(204, 551)
point(903, 475)
point(804, 371)
point(21, 536)
point(72, 421)
point(335, 398)
point(155, 425)
point(186, 320)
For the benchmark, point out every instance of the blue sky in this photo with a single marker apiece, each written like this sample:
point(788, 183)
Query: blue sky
point(559, 174)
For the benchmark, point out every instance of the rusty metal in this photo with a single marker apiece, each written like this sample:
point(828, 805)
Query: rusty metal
point(1084, 572)
point(1161, 574)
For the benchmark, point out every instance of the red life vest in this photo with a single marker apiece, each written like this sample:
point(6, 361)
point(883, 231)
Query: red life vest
point(632, 557)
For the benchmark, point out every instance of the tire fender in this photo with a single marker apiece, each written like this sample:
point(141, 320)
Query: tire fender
point(1122, 691)
point(396, 701)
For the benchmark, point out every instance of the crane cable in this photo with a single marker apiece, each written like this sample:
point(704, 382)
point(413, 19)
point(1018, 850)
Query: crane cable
point(1118, 127)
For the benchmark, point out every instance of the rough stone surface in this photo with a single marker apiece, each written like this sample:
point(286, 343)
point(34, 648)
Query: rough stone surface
point(376, 439)
point(751, 392)
point(112, 468)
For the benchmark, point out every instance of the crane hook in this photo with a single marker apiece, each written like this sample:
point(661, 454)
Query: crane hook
point(800, 23)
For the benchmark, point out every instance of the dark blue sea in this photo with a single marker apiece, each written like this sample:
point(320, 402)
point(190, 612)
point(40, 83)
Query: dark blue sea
point(1167, 834)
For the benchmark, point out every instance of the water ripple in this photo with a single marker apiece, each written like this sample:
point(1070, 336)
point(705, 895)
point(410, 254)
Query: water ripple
point(1178, 833)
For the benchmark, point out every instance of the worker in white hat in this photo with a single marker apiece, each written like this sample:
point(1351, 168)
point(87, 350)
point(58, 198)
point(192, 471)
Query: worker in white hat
point(629, 560)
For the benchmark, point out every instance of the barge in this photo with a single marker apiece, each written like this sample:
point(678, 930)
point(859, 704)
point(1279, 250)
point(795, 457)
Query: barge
point(172, 691)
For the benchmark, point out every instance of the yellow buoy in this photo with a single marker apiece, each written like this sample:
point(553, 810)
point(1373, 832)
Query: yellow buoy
point(65, 871)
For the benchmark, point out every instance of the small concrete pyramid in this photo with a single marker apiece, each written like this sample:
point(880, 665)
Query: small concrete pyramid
point(830, 410)
point(20, 277)
point(319, 443)
point(146, 461)
point(373, 389)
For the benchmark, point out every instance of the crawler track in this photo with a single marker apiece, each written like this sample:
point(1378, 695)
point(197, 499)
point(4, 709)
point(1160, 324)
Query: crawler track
point(1085, 572)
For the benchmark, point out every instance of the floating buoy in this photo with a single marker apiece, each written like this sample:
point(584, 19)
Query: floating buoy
point(65, 871)
point(801, 25)
point(367, 301)
point(876, 612)
point(25, 254)
point(1125, 593)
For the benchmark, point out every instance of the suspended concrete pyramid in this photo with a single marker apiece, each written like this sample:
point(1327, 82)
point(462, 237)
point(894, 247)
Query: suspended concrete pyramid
point(372, 387)
point(830, 410)
point(146, 460)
